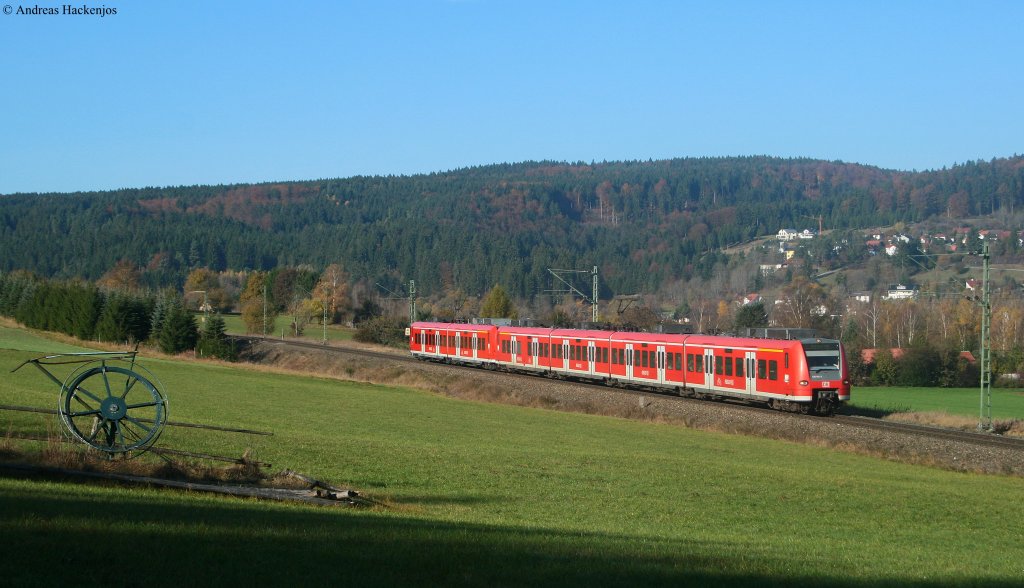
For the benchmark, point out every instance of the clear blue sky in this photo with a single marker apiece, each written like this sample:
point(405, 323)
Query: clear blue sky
point(173, 92)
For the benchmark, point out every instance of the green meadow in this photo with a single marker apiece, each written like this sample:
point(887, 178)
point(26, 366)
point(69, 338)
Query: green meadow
point(487, 494)
point(1007, 403)
point(313, 332)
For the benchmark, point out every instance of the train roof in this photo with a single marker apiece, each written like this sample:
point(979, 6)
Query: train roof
point(540, 331)
point(725, 341)
point(580, 334)
point(451, 326)
point(648, 337)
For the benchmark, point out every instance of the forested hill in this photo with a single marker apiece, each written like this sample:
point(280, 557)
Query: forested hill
point(641, 222)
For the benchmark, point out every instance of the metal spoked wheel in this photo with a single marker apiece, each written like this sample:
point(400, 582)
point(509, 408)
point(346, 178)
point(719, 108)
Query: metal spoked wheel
point(112, 408)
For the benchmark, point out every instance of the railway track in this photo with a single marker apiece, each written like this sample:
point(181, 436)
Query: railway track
point(986, 439)
point(862, 422)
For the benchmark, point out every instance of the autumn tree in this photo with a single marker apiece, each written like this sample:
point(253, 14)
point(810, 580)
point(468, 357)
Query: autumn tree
point(203, 286)
point(803, 304)
point(332, 289)
point(123, 277)
point(255, 307)
point(497, 304)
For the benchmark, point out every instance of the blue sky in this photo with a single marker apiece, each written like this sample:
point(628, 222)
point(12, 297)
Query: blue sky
point(179, 92)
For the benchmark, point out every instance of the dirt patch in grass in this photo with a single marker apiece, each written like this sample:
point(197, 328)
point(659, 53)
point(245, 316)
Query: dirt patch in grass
point(55, 453)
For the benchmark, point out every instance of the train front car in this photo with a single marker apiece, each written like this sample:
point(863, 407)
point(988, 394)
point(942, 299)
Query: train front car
point(824, 376)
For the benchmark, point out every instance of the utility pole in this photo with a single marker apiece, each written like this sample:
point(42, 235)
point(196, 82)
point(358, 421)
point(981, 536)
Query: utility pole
point(985, 411)
point(411, 298)
point(570, 289)
point(412, 301)
point(264, 309)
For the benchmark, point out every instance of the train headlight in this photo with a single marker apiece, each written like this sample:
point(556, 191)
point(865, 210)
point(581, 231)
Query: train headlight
point(803, 382)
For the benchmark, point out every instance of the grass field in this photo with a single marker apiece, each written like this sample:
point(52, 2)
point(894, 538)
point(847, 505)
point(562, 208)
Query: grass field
point(488, 494)
point(1007, 403)
point(313, 332)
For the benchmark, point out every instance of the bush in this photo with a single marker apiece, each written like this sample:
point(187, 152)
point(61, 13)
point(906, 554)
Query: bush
point(383, 330)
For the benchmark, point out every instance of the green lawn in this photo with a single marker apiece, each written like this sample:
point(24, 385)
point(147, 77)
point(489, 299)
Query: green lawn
point(1007, 403)
point(486, 494)
point(313, 332)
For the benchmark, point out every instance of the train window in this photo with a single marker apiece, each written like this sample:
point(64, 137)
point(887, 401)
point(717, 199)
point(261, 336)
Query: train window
point(643, 358)
point(785, 359)
point(728, 366)
point(604, 355)
point(661, 360)
point(679, 362)
point(773, 370)
point(762, 369)
point(739, 367)
point(718, 365)
point(689, 362)
point(700, 363)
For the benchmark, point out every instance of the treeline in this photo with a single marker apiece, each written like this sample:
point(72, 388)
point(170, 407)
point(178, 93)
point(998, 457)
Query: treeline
point(87, 312)
point(921, 366)
point(642, 223)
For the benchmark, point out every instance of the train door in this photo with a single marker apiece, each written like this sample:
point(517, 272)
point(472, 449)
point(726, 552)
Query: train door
point(512, 345)
point(591, 357)
point(751, 373)
point(534, 352)
point(661, 364)
point(629, 361)
point(709, 369)
point(476, 344)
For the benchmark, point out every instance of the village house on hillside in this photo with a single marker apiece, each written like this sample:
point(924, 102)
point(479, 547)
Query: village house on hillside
point(901, 292)
point(787, 234)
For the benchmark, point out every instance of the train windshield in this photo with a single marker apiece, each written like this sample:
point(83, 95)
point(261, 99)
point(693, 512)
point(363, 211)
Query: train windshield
point(822, 356)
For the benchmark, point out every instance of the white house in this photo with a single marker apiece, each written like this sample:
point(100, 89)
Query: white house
point(788, 234)
point(863, 297)
point(806, 234)
point(901, 292)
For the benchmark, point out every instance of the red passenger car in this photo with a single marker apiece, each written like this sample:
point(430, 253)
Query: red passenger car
point(806, 375)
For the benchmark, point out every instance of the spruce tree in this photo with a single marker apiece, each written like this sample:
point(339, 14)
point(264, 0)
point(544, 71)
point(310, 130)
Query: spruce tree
point(178, 331)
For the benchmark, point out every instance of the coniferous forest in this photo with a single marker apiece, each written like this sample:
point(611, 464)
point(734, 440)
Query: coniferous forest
point(641, 223)
point(132, 265)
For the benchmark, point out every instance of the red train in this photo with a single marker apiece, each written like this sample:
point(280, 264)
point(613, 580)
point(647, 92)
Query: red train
point(803, 375)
